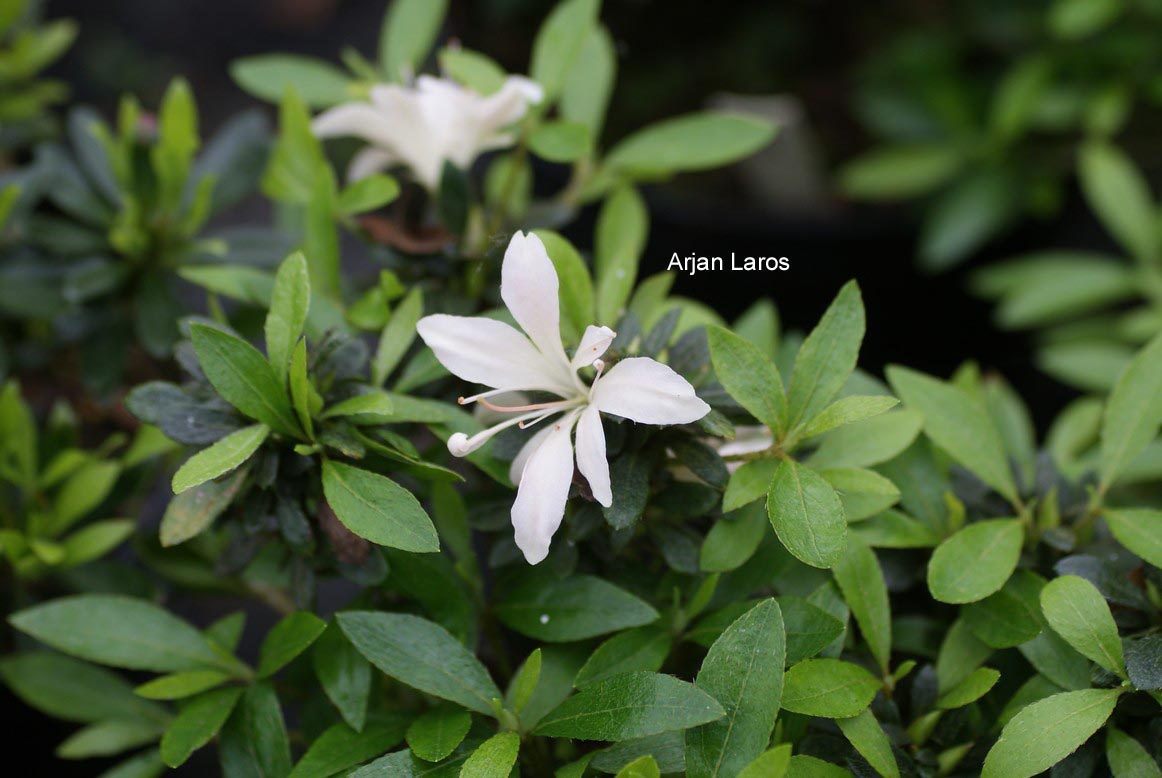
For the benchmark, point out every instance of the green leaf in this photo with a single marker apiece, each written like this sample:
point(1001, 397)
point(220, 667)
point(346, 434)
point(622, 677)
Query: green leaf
point(628, 706)
point(435, 735)
point(969, 690)
point(900, 172)
point(561, 141)
point(972, 211)
point(1133, 413)
point(71, 690)
point(865, 734)
point(827, 357)
point(643, 767)
point(644, 648)
point(193, 511)
point(847, 410)
point(222, 457)
point(378, 509)
point(180, 685)
point(83, 492)
point(960, 424)
point(622, 226)
point(254, 740)
point(1077, 612)
point(341, 747)
point(809, 628)
point(107, 738)
point(1128, 758)
point(868, 442)
point(770, 764)
point(860, 579)
point(474, 70)
point(268, 76)
point(975, 562)
point(344, 675)
point(196, 724)
point(558, 43)
point(750, 377)
point(286, 640)
point(828, 687)
point(95, 540)
point(1003, 620)
point(494, 758)
point(589, 83)
point(374, 407)
point(244, 378)
point(544, 607)
point(1044, 733)
point(804, 766)
point(1139, 530)
point(397, 336)
point(409, 30)
point(1118, 193)
point(863, 493)
point(734, 538)
point(807, 515)
point(93, 627)
point(744, 672)
point(289, 304)
point(368, 194)
point(422, 655)
point(524, 683)
point(578, 309)
point(697, 141)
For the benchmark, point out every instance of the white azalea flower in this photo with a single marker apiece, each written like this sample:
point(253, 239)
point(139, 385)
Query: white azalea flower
point(489, 352)
point(747, 440)
point(423, 125)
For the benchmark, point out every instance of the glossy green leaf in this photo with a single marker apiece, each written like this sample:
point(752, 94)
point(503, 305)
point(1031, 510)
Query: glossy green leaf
point(744, 672)
point(423, 655)
point(975, 562)
point(378, 509)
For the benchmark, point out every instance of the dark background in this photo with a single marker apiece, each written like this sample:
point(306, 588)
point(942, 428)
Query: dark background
point(672, 56)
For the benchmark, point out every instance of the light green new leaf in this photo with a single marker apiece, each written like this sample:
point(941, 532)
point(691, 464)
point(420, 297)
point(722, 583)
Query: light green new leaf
point(72, 690)
point(847, 410)
point(900, 172)
point(220, 458)
point(960, 424)
point(868, 442)
point(630, 705)
point(1140, 530)
point(828, 356)
point(830, 688)
point(268, 76)
point(83, 492)
point(863, 493)
point(561, 141)
point(644, 648)
point(860, 579)
point(866, 736)
point(750, 377)
point(589, 83)
point(289, 304)
point(1044, 733)
point(243, 377)
point(374, 407)
point(286, 640)
point(378, 509)
point(976, 685)
point(804, 766)
point(409, 30)
point(477, 71)
point(422, 655)
point(975, 562)
point(559, 42)
point(494, 758)
point(622, 226)
point(368, 194)
point(524, 683)
point(1118, 193)
point(1133, 413)
point(196, 724)
point(1077, 612)
point(734, 538)
point(93, 627)
point(180, 685)
point(642, 767)
point(107, 738)
point(696, 141)
point(435, 735)
point(1128, 758)
point(807, 515)
point(744, 672)
point(397, 336)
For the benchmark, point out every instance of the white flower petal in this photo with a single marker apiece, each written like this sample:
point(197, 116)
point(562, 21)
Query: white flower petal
point(543, 490)
point(593, 344)
point(647, 392)
point(747, 440)
point(522, 457)
point(591, 459)
point(360, 120)
point(489, 352)
point(369, 161)
point(529, 286)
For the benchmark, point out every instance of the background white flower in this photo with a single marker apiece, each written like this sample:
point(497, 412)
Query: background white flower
point(423, 125)
point(489, 352)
